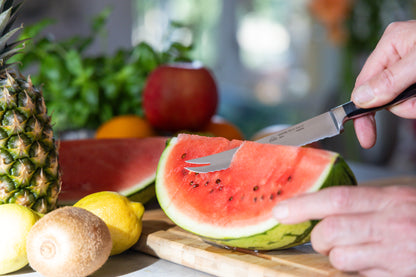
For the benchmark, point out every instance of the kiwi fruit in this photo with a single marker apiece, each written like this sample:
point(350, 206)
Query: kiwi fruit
point(68, 242)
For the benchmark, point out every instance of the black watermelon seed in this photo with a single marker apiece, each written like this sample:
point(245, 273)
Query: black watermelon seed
point(206, 184)
point(183, 156)
point(289, 178)
point(230, 199)
point(279, 192)
point(271, 196)
point(195, 185)
point(217, 181)
point(256, 188)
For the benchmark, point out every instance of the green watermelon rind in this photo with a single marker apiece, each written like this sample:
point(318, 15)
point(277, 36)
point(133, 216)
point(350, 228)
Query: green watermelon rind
point(285, 236)
point(144, 194)
point(141, 192)
point(139, 186)
point(271, 234)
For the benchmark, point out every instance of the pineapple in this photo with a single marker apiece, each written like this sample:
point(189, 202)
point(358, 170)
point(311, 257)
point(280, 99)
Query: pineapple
point(29, 170)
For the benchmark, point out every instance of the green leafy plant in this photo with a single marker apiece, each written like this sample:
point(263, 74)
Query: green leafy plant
point(81, 90)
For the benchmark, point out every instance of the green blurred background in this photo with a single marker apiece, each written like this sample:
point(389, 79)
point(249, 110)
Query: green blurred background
point(276, 62)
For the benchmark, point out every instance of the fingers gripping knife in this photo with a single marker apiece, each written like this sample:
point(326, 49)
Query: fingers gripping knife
point(326, 125)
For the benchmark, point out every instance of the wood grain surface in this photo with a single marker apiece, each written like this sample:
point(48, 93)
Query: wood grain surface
point(163, 239)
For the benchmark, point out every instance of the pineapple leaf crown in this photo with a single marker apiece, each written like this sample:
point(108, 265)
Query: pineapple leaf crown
point(8, 14)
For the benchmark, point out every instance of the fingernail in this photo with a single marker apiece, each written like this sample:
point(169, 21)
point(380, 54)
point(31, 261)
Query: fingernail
point(362, 95)
point(281, 211)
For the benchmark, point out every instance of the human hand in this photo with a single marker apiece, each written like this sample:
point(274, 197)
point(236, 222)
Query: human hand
point(388, 71)
point(366, 229)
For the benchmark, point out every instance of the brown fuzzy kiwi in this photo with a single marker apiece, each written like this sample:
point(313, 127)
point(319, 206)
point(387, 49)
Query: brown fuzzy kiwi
point(68, 242)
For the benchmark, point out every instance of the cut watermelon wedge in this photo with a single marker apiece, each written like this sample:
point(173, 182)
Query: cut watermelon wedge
point(234, 206)
point(127, 166)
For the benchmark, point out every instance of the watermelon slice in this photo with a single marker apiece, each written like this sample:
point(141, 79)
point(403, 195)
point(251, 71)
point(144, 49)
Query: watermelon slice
point(127, 166)
point(233, 207)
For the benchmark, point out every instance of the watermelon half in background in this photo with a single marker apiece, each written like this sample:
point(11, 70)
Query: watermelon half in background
point(233, 207)
point(125, 165)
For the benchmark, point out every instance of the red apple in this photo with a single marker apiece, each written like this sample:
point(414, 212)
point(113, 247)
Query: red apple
point(180, 96)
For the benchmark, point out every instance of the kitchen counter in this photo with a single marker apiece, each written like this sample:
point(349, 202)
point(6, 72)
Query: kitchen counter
point(129, 264)
point(134, 263)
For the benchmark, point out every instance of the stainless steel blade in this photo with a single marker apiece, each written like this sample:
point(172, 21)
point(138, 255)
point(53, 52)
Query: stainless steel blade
point(215, 162)
point(311, 130)
point(322, 126)
point(209, 159)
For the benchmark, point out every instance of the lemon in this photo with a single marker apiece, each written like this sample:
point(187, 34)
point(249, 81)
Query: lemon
point(16, 222)
point(122, 216)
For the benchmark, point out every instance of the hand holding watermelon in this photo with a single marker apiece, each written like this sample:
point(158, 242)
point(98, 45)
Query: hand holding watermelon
point(365, 229)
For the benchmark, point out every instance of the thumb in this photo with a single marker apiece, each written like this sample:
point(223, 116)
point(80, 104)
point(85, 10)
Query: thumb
point(386, 85)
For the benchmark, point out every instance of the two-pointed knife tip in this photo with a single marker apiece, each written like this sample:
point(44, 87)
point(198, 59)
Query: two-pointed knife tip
point(195, 169)
point(206, 168)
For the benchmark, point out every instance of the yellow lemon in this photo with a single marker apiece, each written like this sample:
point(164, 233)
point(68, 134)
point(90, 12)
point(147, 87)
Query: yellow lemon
point(16, 222)
point(122, 216)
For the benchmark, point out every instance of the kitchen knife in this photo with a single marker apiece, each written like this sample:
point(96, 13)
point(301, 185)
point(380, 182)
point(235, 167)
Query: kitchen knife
point(326, 125)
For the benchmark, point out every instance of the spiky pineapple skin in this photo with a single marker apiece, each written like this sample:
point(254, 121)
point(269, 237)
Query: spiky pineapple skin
point(29, 168)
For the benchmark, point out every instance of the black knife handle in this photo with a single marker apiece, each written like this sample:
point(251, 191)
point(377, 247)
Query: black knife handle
point(353, 111)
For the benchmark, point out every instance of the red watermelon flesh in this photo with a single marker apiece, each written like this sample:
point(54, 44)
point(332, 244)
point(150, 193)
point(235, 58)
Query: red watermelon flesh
point(127, 166)
point(238, 202)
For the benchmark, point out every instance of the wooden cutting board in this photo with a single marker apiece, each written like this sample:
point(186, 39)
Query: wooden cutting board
point(163, 239)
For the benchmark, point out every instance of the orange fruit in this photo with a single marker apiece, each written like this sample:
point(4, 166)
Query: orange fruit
point(125, 126)
point(220, 127)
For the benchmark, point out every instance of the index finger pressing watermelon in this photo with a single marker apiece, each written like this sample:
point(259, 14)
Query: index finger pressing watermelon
point(233, 207)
